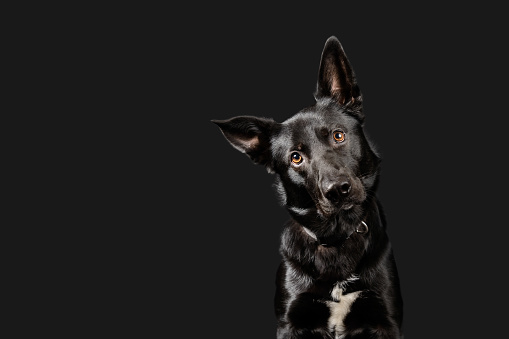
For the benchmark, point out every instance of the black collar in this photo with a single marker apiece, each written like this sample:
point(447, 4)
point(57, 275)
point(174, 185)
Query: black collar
point(362, 228)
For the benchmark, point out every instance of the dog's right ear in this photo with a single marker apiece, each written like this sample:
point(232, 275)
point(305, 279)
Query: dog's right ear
point(251, 135)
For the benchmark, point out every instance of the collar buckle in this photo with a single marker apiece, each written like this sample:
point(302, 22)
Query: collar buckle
point(362, 228)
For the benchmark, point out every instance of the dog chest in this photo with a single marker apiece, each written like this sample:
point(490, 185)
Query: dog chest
point(339, 308)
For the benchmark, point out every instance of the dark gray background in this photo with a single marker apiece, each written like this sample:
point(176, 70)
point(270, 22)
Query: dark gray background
point(199, 223)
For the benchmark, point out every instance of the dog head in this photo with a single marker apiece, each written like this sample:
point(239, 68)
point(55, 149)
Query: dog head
point(324, 164)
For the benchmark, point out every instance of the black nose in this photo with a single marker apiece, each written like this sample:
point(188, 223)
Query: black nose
point(334, 192)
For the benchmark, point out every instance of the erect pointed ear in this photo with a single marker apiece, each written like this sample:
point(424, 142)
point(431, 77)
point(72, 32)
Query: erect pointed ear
point(251, 135)
point(336, 77)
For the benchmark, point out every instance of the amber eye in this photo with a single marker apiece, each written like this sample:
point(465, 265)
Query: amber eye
point(338, 136)
point(296, 158)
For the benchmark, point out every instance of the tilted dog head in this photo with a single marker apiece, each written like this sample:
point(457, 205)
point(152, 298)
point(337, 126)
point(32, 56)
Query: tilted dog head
point(324, 163)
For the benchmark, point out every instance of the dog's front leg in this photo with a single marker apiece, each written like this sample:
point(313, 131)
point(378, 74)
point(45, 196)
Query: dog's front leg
point(380, 333)
point(291, 333)
point(306, 317)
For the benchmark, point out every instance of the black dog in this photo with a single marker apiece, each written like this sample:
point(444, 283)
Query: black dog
point(338, 277)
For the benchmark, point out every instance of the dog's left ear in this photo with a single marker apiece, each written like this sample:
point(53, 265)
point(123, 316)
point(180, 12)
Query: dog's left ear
point(251, 135)
point(336, 78)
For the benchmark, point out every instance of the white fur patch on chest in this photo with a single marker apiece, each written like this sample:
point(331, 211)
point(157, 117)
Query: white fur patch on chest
point(339, 308)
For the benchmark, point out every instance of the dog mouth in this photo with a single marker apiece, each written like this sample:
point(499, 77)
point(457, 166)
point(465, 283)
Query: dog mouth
point(347, 206)
point(328, 210)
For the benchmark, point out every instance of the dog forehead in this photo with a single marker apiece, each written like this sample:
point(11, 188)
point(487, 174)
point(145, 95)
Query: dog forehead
point(303, 123)
point(305, 126)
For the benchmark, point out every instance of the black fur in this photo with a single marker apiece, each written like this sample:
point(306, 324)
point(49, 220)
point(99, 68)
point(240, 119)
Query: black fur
point(338, 277)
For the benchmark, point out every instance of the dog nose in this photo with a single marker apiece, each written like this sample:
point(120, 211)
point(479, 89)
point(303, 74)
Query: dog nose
point(335, 191)
point(344, 188)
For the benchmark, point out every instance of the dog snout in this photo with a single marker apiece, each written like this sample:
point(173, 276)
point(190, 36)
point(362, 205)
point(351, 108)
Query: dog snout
point(335, 191)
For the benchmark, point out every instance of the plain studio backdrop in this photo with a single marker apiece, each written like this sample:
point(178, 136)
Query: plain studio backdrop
point(190, 241)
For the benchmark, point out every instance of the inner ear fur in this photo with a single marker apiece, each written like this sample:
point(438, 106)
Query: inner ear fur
point(336, 78)
point(250, 135)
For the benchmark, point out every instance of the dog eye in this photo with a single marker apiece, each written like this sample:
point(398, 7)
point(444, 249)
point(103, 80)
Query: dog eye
point(338, 136)
point(296, 158)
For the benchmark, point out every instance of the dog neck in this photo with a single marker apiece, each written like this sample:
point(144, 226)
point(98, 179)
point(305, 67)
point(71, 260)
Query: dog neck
point(362, 228)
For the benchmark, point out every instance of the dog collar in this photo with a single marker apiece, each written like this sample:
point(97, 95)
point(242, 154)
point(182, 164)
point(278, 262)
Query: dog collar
point(362, 228)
